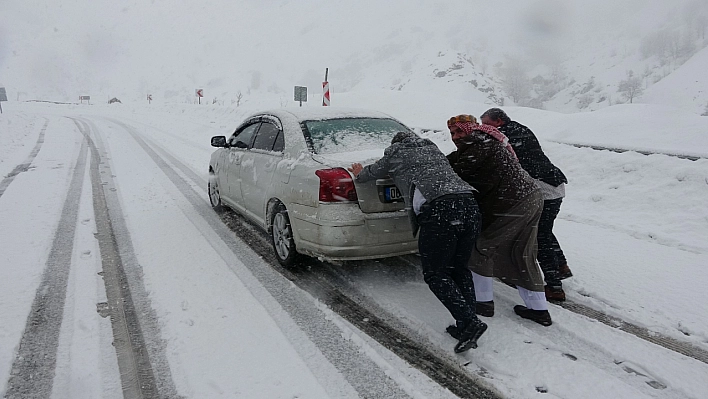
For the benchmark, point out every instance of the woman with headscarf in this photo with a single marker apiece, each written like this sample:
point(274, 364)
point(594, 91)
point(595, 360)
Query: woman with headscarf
point(511, 206)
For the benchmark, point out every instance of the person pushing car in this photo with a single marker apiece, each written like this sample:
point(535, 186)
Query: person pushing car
point(441, 205)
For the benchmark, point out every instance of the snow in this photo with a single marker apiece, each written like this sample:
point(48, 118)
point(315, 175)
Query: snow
point(331, 137)
point(634, 227)
point(685, 90)
point(347, 158)
point(319, 113)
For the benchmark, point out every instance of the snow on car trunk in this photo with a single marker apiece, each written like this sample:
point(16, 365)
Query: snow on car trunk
point(379, 196)
point(342, 141)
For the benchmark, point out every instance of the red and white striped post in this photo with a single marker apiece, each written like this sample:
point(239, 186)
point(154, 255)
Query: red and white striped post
point(325, 89)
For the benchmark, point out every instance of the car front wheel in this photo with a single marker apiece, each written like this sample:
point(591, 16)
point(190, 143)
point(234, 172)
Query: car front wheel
point(282, 237)
point(214, 193)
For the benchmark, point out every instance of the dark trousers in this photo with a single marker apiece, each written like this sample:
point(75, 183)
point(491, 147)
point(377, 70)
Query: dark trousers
point(550, 254)
point(448, 230)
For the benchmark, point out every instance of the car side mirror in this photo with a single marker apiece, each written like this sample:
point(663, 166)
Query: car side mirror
point(240, 144)
point(218, 141)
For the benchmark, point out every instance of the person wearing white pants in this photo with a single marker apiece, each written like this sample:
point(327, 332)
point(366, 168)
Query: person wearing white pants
point(484, 292)
point(511, 205)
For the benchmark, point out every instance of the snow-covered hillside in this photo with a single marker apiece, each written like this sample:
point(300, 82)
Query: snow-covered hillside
point(569, 55)
point(687, 88)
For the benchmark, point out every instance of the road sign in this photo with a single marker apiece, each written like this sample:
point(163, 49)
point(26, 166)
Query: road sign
point(149, 98)
point(82, 98)
point(200, 93)
point(301, 94)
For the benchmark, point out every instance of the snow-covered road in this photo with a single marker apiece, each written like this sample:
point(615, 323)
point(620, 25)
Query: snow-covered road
point(217, 318)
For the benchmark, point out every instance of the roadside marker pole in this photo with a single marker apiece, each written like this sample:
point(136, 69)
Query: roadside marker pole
point(325, 89)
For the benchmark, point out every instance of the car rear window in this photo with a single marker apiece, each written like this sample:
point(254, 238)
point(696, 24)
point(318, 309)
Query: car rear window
point(331, 136)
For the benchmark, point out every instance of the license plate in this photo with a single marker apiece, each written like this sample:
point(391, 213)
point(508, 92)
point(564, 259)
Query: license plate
point(392, 194)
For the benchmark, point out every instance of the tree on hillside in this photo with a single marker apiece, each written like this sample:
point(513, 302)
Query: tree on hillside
point(585, 100)
point(701, 24)
point(515, 82)
point(630, 87)
point(695, 16)
point(657, 43)
point(559, 76)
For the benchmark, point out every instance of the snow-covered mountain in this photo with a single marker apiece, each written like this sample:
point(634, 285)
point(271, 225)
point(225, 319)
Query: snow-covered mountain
point(563, 55)
point(686, 88)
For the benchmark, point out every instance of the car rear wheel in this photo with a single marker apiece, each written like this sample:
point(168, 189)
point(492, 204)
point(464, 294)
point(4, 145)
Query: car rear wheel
point(214, 193)
point(281, 234)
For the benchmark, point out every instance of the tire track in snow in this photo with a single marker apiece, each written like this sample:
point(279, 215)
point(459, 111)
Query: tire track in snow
point(32, 372)
point(621, 150)
point(23, 167)
point(594, 147)
point(664, 341)
point(418, 355)
point(675, 345)
point(144, 370)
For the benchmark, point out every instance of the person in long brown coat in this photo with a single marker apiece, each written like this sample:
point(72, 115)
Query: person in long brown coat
point(511, 205)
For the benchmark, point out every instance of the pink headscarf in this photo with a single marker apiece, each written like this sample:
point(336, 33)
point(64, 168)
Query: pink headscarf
point(468, 127)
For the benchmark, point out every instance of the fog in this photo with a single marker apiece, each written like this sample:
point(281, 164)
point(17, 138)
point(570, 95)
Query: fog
point(58, 51)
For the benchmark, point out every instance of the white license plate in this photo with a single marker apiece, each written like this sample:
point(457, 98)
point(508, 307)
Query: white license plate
point(392, 194)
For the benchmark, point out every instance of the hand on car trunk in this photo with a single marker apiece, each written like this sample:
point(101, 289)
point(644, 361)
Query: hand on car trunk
point(356, 169)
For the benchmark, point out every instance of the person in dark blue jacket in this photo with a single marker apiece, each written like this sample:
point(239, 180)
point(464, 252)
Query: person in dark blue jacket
point(551, 181)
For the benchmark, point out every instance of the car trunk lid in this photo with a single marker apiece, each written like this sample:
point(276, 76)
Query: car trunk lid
point(380, 195)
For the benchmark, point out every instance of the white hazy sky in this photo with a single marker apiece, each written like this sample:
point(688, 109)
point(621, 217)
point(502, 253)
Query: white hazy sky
point(59, 50)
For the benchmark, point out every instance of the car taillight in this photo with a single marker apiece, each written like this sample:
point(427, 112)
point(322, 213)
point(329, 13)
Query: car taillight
point(336, 185)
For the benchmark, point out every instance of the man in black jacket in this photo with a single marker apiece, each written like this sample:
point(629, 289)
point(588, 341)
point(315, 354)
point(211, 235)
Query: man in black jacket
point(552, 182)
point(441, 204)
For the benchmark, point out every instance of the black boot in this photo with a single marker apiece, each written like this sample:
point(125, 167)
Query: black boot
point(469, 337)
point(485, 309)
point(541, 317)
point(454, 331)
point(554, 293)
point(564, 272)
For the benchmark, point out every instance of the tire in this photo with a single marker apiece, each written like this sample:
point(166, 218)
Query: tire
point(214, 193)
point(281, 236)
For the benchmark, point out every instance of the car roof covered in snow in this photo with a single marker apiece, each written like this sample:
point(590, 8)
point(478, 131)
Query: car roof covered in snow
point(320, 113)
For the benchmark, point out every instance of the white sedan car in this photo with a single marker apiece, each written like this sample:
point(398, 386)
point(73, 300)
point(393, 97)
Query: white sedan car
point(286, 170)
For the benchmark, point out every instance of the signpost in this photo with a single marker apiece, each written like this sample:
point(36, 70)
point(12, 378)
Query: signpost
point(325, 89)
point(301, 94)
point(87, 98)
point(200, 94)
point(3, 97)
point(149, 98)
